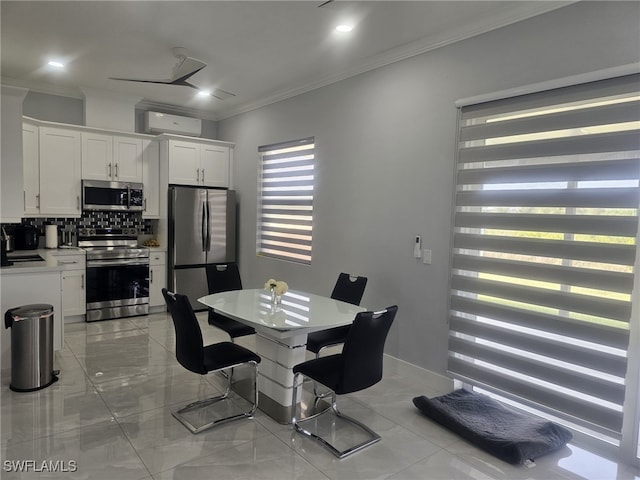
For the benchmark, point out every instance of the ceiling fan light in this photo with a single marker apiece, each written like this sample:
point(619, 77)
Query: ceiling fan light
point(204, 93)
point(56, 64)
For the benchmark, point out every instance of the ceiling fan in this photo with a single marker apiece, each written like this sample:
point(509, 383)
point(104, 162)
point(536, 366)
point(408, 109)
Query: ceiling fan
point(182, 71)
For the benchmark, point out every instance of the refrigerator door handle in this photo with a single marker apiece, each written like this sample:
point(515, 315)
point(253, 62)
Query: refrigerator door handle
point(203, 227)
point(208, 227)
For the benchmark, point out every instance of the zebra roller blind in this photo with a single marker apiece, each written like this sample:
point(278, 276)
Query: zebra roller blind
point(544, 247)
point(285, 210)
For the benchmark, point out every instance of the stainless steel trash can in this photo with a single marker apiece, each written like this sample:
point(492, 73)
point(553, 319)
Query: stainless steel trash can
point(31, 347)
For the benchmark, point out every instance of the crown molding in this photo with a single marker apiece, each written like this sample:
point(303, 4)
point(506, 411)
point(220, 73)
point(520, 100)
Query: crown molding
point(46, 88)
point(424, 45)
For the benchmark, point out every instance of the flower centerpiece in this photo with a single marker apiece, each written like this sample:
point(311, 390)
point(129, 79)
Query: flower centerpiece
point(277, 289)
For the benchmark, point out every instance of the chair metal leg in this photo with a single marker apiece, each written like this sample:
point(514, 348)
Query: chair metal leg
point(296, 423)
point(180, 414)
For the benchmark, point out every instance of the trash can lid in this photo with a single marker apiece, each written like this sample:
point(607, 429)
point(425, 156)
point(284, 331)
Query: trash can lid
point(37, 310)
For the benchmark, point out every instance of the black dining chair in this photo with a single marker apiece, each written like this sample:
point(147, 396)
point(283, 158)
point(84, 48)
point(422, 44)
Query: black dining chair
point(193, 355)
point(350, 289)
point(359, 366)
point(224, 278)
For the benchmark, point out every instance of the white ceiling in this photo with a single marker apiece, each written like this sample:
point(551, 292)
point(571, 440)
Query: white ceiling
point(261, 51)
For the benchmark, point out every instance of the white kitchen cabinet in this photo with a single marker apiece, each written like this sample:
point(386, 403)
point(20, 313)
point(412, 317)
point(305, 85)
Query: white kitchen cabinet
point(31, 168)
point(74, 298)
point(11, 175)
point(198, 163)
point(214, 165)
point(112, 158)
point(60, 163)
point(151, 179)
point(157, 278)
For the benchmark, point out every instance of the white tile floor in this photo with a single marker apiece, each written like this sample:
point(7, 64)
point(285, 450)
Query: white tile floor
point(109, 417)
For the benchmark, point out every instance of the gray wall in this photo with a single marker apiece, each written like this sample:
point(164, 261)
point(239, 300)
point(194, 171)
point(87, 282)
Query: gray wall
point(385, 160)
point(54, 108)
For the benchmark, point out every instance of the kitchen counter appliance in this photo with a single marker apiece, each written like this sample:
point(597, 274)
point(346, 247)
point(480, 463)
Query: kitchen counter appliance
point(26, 237)
point(117, 273)
point(118, 196)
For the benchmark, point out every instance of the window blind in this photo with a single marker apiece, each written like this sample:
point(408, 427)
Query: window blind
point(544, 246)
point(285, 210)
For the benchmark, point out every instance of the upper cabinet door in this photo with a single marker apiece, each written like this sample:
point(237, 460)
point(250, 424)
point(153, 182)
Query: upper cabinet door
point(60, 172)
point(97, 156)
point(151, 179)
point(31, 169)
point(111, 158)
point(184, 163)
point(127, 158)
point(214, 165)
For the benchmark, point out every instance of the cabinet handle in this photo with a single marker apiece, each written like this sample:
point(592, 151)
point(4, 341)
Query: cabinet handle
point(144, 209)
point(151, 273)
point(78, 202)
point(203, 175)
point(116, 170)
point(197, 174)
point(38, 201)
point(82, 282)
point(109, 170)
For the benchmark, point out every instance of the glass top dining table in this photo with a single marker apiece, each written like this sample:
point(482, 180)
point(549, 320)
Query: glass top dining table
point(298, 312)
point(281, 336)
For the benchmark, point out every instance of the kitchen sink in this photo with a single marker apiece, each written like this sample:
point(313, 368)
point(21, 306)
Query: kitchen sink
point(25, 257)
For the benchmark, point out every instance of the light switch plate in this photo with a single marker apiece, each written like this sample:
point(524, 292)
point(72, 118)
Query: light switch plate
point(426, 256)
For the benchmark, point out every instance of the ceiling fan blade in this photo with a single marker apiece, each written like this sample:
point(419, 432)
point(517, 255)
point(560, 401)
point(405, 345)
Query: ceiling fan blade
point(221, 94)
point(164, 82)
point(186, 68)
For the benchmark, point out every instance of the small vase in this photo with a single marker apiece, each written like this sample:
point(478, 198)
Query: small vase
point(275, 298)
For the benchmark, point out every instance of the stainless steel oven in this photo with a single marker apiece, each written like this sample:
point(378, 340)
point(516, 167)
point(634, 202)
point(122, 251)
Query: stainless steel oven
point(117, 273)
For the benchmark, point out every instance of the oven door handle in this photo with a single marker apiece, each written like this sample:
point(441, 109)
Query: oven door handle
point(115, 263)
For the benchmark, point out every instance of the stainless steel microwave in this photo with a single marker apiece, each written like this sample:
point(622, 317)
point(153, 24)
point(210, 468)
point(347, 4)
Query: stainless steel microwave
point(119, 196)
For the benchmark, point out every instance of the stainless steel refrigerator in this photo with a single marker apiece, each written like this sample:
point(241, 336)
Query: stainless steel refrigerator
point(202, 231)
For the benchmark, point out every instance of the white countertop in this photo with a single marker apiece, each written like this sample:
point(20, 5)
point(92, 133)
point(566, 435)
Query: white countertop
point(53, 261)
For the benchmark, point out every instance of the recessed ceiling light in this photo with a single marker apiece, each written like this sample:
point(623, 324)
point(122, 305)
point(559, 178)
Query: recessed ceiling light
point(56, 64)
point(344, 28)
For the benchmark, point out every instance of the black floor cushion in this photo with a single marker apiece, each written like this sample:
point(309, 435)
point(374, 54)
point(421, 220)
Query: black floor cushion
point(503, 432)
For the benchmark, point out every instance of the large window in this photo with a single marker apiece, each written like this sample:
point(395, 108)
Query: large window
point(285, 210)
point(544, 247)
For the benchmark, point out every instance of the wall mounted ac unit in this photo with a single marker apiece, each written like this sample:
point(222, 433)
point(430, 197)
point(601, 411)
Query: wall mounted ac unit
point(155, 122)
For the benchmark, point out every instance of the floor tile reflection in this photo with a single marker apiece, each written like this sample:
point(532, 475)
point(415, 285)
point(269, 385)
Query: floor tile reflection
point(110, 414)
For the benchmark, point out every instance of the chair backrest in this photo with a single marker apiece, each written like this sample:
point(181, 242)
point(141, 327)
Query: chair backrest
point(189, 342)
point(223, 277)
point(363, 350)
point(349, 288)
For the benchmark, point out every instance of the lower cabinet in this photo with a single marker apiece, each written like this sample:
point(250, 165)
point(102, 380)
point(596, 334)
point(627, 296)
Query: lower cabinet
point(157, 279)
point(74, 301)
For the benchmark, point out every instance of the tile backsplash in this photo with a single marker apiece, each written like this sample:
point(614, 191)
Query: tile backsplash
point(90, 219)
